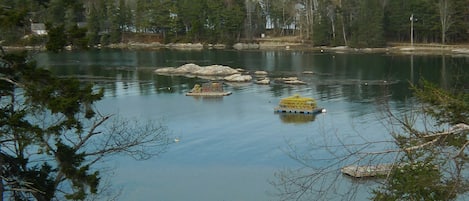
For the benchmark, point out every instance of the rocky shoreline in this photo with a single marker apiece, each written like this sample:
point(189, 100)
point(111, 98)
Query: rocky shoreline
point(393, 48)
point(269, 45)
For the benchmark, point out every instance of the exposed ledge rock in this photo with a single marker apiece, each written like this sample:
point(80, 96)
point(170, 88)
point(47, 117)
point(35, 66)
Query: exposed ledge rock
point(260, 73)
point(291, 80)
point(157, 45)
point(263, 81)
point(461, 50)
point(238, 78)
point(186, 46)
point(194, 69)
point(246, 46)
point(220, 72)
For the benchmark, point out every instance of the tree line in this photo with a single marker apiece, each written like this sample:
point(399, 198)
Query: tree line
point(354, 23)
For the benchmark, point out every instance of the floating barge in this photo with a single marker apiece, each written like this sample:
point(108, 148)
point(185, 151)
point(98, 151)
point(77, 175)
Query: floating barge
point(296, 118)
point(298, 104)
point(367, 170)
point(208, 89)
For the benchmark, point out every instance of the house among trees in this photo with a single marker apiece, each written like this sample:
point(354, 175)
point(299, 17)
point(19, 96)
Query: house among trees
point(38, 29)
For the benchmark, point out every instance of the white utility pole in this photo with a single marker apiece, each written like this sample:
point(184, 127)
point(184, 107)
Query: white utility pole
point(412, 30)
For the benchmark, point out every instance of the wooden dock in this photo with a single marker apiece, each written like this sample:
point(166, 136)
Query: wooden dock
point(367, 170)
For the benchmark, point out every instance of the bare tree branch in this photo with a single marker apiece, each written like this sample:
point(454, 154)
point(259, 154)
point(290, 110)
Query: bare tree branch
point(461, 151)
point(91, 132)
point(11, 81)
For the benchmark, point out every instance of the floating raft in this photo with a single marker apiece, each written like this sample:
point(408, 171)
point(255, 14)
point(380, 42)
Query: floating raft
point(208, 89)
point(298, 104)
point(209, 93)
point(299, 111)
point(367, 170)
point(296, 118)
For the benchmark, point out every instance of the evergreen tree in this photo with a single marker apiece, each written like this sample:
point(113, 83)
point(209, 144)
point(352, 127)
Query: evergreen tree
point(322, 25)
point(52, 136)
point(368, 28)
point(125, 17)
point(175, 25)
point(56, 12)
point(160, 16)
point(193, 15)
point(77, 37)
point(13, 21)
point(225, 20)
point(215, 11)
point(115, 31)
point(427, 22)
point(56, 38)
point(93, 26)
point(104, 20)
point(397, 24)
point(234, 17)
point(142, 19)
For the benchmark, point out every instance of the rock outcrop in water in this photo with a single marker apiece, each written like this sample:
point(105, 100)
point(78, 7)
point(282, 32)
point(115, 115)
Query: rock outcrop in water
point(214, 71)
point(241, 76)
point(238, 78)
point(194, 69)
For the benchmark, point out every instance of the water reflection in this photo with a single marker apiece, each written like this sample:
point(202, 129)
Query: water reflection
point(208, 99)
point(296, 118)
point(327, 68)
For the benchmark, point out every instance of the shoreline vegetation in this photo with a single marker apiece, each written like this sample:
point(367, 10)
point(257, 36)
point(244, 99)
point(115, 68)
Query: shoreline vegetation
point(285, 43)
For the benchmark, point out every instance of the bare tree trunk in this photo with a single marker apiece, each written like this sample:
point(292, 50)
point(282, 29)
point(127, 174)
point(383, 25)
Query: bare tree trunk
point(249, 10)
point(309, 12)
point(342, 19)
point(283, 21)
point(314, 6)
point(331, 14)
point(445, 18)
point(343, 32)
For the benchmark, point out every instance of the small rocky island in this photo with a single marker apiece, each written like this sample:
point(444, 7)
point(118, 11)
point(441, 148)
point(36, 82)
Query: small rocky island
point(225, 73)
point(212, 72)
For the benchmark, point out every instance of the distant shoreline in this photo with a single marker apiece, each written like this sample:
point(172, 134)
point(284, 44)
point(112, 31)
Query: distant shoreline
point(393, 48)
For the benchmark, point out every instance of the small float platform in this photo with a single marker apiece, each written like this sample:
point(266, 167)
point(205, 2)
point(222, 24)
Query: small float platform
point(367, 170)
point(209, 93)
point(208, 89)
point(299, 105)
point(296, 111)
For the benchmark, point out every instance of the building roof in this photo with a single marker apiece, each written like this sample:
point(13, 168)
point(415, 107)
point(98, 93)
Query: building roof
point(38, 26)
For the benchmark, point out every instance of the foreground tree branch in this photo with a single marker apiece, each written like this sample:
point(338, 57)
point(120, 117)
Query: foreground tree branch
point(52, 136)
point(426, 160)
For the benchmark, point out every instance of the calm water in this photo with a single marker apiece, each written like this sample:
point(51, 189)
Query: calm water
point(231, 147)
